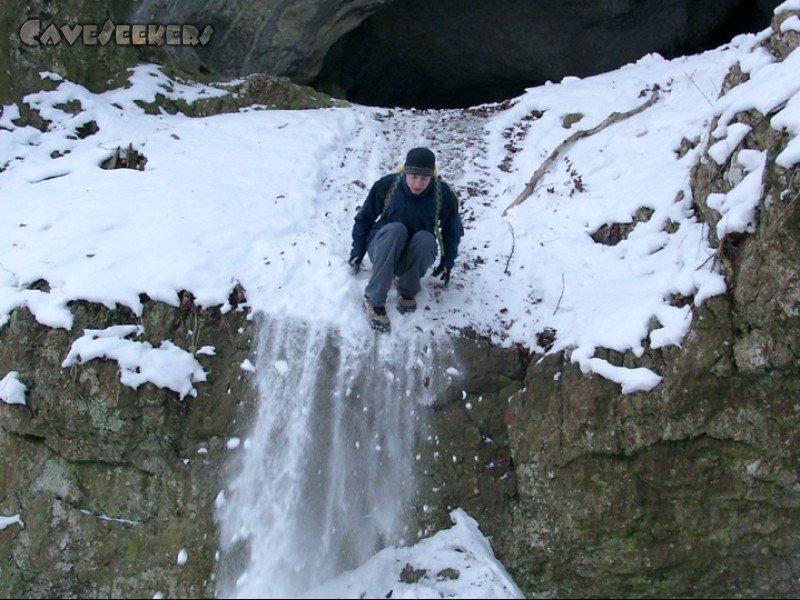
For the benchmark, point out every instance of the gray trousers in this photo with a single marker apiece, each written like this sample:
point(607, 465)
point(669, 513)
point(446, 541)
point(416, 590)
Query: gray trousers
point(393, 254)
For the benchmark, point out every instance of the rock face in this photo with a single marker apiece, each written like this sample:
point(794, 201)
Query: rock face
point(111, 482)
point(92, 66)
point(691, 490)
point(447, 53)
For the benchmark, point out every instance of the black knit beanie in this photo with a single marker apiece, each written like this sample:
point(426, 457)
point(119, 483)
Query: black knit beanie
point(420, 161)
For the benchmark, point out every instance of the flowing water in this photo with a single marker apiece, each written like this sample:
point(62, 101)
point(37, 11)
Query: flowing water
point(326, 476)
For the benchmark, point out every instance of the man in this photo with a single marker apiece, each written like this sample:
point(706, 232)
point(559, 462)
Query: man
point(406, 217)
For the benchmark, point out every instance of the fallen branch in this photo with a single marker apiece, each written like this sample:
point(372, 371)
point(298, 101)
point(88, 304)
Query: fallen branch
point(612, 118)
point(508, 262)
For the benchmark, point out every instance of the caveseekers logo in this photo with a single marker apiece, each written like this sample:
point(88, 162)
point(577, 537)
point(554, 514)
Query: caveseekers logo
point(34, 33)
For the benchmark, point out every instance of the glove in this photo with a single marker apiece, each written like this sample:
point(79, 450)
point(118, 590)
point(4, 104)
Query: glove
point(355, 263)
point(443, 273)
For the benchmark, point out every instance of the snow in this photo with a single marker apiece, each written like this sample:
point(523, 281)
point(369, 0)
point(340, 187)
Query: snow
point(6, 522)
point(166, 366)
point(265, 199)
point(12, 390)
point(738, 207)
point(458, 563)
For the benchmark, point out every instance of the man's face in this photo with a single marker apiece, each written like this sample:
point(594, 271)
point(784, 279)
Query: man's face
point(417, 183)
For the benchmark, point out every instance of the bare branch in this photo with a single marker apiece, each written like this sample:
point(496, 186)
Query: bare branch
point(508, 262)
point(689, 77)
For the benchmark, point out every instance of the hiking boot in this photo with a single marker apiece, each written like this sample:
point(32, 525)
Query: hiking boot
point(376, 315)
point(406, 304)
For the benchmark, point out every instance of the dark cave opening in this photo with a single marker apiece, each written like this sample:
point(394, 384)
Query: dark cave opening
point(457, 54)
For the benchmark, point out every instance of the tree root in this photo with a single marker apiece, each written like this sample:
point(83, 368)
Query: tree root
point(612, 118)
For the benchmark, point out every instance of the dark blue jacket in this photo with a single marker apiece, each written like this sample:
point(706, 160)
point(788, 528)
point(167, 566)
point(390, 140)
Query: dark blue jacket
point(417, 213)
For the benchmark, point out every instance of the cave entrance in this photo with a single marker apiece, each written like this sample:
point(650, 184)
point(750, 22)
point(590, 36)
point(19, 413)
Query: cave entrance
point(459, 53)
